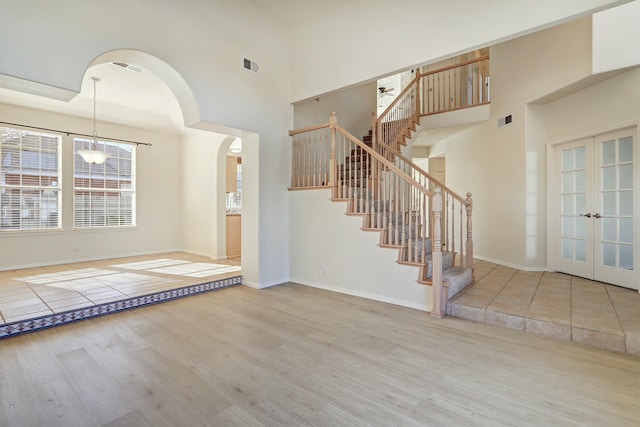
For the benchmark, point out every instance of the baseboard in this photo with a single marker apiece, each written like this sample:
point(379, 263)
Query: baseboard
point(261, 286)
point(87, 259)
point(517, 267)
point(366, 295)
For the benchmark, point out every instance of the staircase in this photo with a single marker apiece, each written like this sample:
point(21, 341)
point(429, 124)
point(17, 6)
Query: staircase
point(426, 222)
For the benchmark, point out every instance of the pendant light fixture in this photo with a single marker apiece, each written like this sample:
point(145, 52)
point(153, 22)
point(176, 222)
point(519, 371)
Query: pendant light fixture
point(94, 156)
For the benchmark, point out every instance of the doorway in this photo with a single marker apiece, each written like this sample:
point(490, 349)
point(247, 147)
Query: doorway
point(595, 208)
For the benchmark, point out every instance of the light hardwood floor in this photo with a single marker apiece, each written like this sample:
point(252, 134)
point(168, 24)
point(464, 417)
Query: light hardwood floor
point(294, 355)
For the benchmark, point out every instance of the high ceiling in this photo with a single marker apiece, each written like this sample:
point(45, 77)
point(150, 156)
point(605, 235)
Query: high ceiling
point(293, 13)
point(138, 99)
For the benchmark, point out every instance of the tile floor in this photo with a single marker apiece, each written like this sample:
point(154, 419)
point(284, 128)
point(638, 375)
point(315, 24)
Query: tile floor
point(35, 292)
point(553, 304)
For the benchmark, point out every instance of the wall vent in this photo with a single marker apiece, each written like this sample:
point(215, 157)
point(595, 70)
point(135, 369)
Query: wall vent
point(127, 66)
point(249, 65)
point(506, 120)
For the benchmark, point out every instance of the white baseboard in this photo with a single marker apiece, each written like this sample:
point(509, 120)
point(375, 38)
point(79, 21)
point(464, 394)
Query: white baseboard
point(366, 295)
point(507, 264)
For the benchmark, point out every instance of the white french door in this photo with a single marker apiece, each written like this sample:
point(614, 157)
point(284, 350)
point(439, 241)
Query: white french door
point(594, 234)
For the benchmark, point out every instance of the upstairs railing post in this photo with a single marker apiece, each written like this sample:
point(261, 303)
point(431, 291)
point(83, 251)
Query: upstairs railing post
point(439, 297)
point(375, 172)
point(469, 261)
point(418, 94)
point(333, 167)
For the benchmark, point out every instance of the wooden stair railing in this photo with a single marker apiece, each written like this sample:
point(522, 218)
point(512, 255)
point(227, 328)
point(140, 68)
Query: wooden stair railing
point(390, 131)
point(414, 212)
point(390, 200)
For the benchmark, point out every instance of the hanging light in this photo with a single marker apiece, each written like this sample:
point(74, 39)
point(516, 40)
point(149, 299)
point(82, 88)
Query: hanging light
point(94, 156)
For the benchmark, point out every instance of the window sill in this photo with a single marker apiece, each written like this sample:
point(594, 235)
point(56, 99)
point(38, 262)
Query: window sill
point(28, 233)
point(100, 229)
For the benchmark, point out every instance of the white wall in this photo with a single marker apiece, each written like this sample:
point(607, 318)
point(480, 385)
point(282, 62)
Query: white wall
point(607, 106)
point(357, 41)
point(200, 194)
point(353, 108)
point(159, 213)
point(616, 38)
point(204, 42)
point(504, 170)
point(322, 235)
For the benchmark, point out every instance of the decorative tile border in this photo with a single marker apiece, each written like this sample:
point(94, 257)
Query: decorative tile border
point(57, 319)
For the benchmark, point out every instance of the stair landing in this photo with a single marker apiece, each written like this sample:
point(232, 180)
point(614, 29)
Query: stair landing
point(552, 304)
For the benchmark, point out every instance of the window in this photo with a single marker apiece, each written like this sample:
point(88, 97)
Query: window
point(104, 195)
point(30, 185)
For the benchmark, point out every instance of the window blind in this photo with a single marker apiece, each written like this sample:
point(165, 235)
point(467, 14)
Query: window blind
point(30, 180)
point(104, 195)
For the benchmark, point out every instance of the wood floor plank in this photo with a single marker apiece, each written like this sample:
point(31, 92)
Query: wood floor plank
point(18, 406)
point(293, 355)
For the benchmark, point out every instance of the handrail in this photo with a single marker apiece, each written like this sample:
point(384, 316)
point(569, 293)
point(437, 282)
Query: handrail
point(308, 129)
point(450, 67)
point(433, 180)
point(401, 94)
point(384, 161)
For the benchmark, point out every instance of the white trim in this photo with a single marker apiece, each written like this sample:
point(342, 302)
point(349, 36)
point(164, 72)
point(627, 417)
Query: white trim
point(366, 295)
point(596, 132)
point(517, 267)
point(262, 286)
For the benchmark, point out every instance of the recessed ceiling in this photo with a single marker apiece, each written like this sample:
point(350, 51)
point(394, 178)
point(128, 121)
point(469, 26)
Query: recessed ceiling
point(138, 99)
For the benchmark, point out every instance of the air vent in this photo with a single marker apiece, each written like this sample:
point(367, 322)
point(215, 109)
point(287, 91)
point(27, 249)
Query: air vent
point(249, 65)
point(127, 66)
point(506, 120)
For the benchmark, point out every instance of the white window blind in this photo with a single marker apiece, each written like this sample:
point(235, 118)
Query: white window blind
point(104, 195)
point(30, 180)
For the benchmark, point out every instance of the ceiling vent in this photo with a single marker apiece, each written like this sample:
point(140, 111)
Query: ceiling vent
point(249, 65)
point(127, 66)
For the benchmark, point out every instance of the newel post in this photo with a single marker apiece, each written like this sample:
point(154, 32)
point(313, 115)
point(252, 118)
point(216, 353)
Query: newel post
point(439, 295)
point(469, 261)
point(333, 170)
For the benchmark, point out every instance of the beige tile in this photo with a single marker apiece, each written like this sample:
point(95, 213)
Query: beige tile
point(27, 316)
point(27, 301)
point(29, 309)
point(615, 342)
point(466, 312)
point(69, 303)
point(60, 296)
point(506, 320)
point(549, 329)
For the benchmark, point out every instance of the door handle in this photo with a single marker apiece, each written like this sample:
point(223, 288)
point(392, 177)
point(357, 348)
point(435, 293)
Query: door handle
point(597, 215)
point(588, 215)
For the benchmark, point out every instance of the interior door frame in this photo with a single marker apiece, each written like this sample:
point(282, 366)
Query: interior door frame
point(552, 182)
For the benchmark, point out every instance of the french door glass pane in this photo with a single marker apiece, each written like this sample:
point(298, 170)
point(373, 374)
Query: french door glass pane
point(581, 157)
point(609, 229)
point(626, 256)
point(609, 178)
point(567, 227)
point(567, 160)
point(626, 230)
point(625, 150)
point(567, 182)
point(609, 254)
point(626, 203)
point(567, 248)
point(626, 176)
point(609, 203)
point(608, 152)
point(581, 250)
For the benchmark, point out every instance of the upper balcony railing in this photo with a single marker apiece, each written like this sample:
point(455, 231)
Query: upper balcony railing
point(455, 87)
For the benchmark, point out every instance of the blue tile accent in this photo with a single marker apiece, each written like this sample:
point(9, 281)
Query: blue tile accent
point(57, 319)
